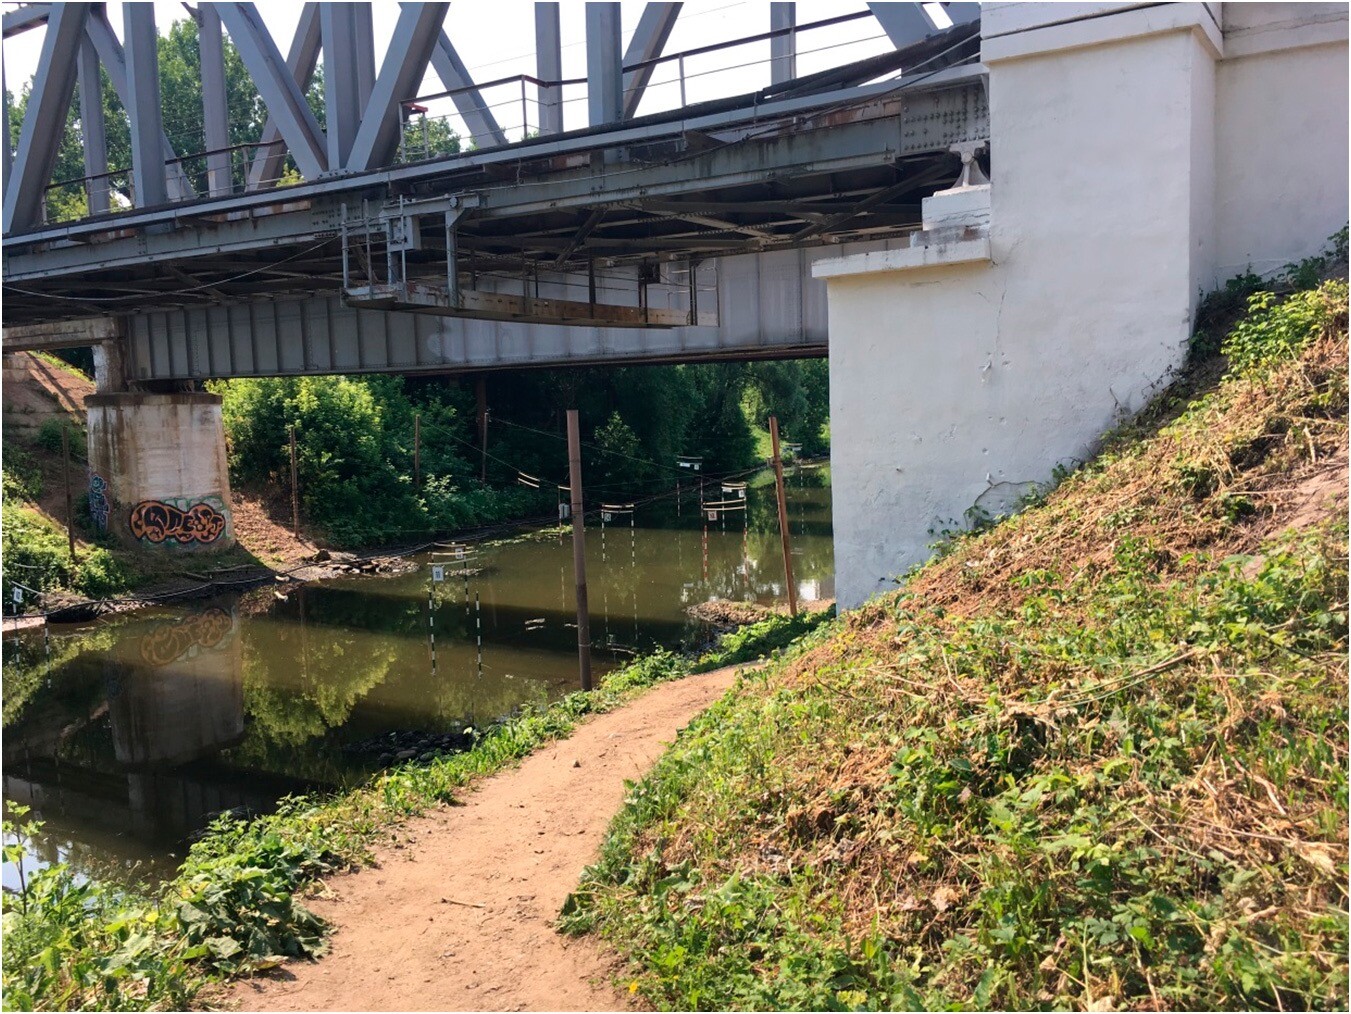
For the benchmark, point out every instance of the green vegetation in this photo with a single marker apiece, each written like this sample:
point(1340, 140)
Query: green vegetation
point(355, 439)
point(78, 944)
point(35, 551)
point(1094, 758)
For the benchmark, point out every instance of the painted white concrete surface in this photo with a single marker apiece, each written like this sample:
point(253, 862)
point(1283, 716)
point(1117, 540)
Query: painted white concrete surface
point(1124, 179)
point(160, 447)
point(1281, 117)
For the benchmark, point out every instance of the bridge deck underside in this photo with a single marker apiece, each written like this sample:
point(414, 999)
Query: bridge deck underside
point(746, 182)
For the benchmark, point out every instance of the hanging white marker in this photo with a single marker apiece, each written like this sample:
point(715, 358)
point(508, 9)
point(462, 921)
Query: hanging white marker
point(438, 572)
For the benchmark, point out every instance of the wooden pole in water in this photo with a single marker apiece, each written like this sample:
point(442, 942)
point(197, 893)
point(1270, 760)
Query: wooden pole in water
point(417, 447)
point(295, 493)
point(579, 548)
point(65, 472)
point(783, 517)
point(481, 398)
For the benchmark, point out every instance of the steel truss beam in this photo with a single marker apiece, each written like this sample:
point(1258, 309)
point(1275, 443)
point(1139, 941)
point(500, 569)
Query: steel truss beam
point(939, 110)
point(649, 39)
point(215, 111)
point(26, 17)
point(343, 103)
point(468, 101)
point(276, 85)
point(962, 13)
point(114, 60)
point(92, 129)
point(44, 122)
point(604, 63)
point(301, 60)
point(782, 48)
point(416, 34)
point(904, 23)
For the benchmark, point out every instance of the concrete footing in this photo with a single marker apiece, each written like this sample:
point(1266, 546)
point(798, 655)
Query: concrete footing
point(157, 471)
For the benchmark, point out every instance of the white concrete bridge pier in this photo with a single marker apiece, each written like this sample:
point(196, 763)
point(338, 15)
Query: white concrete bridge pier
point(1141, 154)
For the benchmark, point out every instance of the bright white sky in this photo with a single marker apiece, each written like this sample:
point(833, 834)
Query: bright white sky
point(496, 39)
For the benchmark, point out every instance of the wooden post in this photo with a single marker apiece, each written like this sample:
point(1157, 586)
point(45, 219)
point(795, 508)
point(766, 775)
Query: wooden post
point(783, 517)
point(579, 548)
point(417, 447)
point(65, 472)
point(481, 397)
point(295, 492)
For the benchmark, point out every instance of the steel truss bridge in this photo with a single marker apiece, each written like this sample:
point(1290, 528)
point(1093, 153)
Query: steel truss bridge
point(673, 236)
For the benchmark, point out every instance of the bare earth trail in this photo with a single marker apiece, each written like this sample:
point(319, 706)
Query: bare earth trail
point(458, 914)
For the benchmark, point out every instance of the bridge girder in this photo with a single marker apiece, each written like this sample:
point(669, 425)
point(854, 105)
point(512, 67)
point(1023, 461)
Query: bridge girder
point(822, 159)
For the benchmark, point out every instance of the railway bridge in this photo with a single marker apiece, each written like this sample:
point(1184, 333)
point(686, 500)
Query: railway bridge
point(1002, 215)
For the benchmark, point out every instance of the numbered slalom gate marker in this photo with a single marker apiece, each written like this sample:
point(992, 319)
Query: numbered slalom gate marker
point(736, 489)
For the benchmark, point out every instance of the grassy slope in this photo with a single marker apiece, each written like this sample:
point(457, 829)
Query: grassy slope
point(1093, 759)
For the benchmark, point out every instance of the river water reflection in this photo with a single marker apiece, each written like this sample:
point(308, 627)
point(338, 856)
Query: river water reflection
point(128, 735)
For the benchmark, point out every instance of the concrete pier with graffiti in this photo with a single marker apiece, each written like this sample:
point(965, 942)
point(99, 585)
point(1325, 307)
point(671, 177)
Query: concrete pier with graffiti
point(158, 478)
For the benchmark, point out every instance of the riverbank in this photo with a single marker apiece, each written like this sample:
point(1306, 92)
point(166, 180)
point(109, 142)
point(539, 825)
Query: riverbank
point(235, 905)
point(451, 912)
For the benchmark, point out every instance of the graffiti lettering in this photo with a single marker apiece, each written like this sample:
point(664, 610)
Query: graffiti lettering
point(156, 521)
point(171, 641)
point(98, 501)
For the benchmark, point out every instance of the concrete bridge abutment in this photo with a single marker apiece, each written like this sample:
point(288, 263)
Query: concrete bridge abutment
point(1140, 156)
point(158, 478)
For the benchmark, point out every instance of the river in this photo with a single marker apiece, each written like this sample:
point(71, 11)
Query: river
point(128, 735)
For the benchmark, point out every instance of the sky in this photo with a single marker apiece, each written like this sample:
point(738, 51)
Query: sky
point(496, 39)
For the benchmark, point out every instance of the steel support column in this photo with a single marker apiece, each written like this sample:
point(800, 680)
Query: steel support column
point(114, 61)
point(215, 110)
point(342, 99)
point(92, 129)
point(549, 67)
point(782, 48)
point(277, 86)
point(416, 34)
point(604, 64)
point(649, 39)
point(44, 120)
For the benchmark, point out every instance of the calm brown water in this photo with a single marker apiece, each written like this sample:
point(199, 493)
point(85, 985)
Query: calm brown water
point(144, 727)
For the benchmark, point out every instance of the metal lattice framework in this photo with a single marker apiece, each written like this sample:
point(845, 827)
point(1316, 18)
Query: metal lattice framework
point(607, 224)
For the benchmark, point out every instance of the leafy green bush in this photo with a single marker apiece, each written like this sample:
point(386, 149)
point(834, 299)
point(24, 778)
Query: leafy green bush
point(37, 555)
point(49, 438)
point(1276, 330)
point(354, 450)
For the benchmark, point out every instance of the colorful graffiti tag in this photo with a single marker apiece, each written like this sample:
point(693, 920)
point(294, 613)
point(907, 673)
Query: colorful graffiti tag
point(156, 521)
point(98, 501)
point(168, 642)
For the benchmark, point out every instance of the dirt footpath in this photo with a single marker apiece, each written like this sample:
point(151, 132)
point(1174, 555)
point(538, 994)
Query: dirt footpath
point(458, 915)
